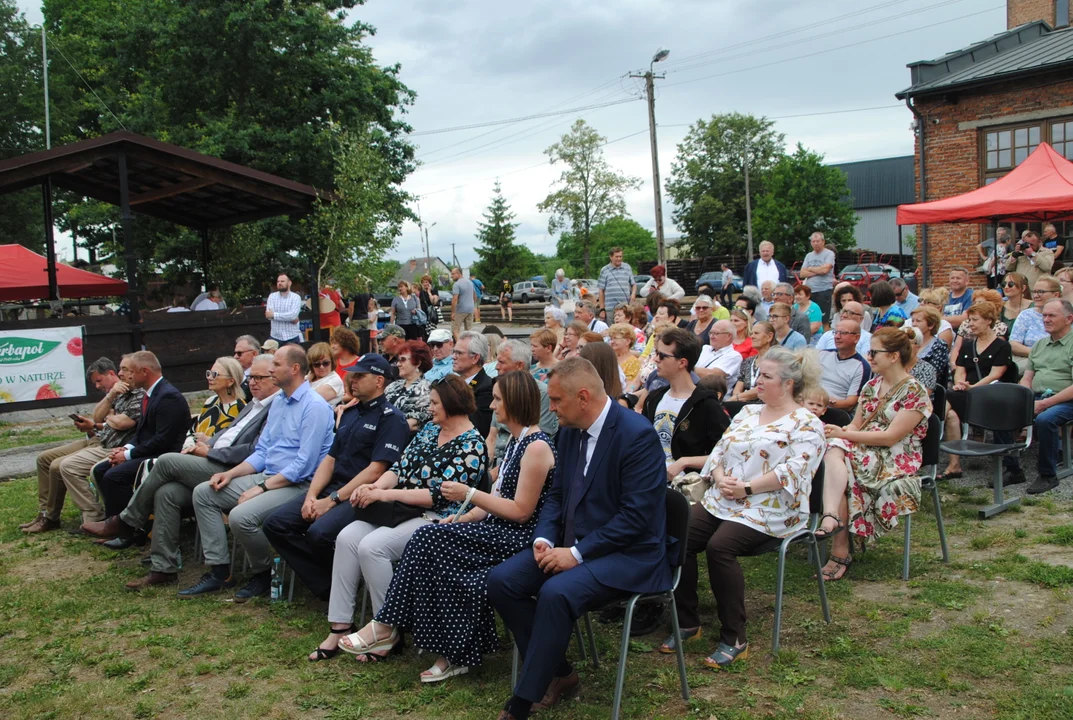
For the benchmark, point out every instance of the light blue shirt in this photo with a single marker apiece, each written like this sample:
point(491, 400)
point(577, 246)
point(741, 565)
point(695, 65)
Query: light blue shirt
point(440, 369)
point(1028, 327)
point(827, 342)
point(909, 304)
point(793, 341)
point(297, 435)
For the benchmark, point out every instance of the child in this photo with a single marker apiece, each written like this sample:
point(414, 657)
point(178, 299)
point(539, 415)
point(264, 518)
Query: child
point(817, 400)
point(374, 314)
point(715, 383)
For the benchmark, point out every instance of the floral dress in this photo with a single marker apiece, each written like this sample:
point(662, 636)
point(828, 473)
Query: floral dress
point(883, 482)
point(439, 591)
point(426, 465)
point(411, 400)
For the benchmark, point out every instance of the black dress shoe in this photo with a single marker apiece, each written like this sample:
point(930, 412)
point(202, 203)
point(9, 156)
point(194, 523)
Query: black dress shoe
point(258, 586)
point(208, 583)
point(1014, 477)
point(138, 539)
point(1043, 484)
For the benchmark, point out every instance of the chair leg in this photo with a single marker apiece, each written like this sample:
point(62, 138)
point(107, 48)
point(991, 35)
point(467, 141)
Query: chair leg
point(905, 548)
point(290, 592)
point(364, 603)
point(1066, 468)
point(823, 588)
point(679, 652)
point(780, 572)
point(580, 641)
point(624, 651)
point(939, 521)
point(514, 669)
point(592, 641)
point(1000, 502)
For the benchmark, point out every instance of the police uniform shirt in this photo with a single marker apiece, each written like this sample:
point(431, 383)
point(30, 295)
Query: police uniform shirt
point(369, 432)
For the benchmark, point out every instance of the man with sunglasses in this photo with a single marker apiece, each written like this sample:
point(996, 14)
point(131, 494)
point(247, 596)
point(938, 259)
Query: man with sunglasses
point(247, 347)
point(442, 344)
point(784, 293)
point(904, 299)
point(167, 491)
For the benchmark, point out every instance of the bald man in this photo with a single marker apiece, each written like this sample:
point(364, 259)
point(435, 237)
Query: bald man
point(719, 357)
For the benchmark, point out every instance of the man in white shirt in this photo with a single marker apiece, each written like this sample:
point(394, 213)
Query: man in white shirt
point(586, 314)
point(765, 268)
point(282, 309)
point(719, 356)
point(854, 311)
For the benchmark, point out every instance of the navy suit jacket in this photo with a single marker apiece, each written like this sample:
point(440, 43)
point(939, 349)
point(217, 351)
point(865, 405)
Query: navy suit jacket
point(164, 424)
point(620, 518)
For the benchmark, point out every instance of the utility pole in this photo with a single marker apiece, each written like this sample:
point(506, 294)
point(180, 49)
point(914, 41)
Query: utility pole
point(649, 78)
point(748, 207)
point(44, 66)
point(454, 257)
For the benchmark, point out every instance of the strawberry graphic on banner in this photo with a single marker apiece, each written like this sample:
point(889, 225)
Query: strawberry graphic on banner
point(42, 364)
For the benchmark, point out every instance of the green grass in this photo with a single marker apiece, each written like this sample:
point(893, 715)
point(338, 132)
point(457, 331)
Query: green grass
point(15, 436)
point(73, 643)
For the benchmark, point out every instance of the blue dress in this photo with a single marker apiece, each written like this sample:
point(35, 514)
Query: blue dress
point(439, 591)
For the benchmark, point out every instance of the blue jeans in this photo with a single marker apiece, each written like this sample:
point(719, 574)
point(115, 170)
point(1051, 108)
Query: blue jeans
point(1047, 429)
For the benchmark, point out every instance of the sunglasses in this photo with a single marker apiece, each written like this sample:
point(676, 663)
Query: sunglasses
point(663, 356)
point(211, 374)
point(322, 363)
point(259, 378)
point(400, 358)
point(872, 353)
point(435, 345)
point(240, 353)
point(1009, 284)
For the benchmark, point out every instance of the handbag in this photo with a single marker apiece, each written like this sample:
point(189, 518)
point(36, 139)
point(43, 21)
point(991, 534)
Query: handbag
point(387, 513)
point(693, 485)
point(568, 306)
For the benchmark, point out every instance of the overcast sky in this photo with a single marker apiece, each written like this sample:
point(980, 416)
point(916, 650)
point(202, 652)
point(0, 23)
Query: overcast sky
point(475, 61)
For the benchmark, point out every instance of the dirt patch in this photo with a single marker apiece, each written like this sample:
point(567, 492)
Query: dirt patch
point(55, 566)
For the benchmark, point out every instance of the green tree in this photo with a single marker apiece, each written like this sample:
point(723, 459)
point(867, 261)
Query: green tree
point(500, 257)
point(589, 190)
point(257, 82)
point(637, 242)
point(21, 123)
point(802, 195)
point(707, 183)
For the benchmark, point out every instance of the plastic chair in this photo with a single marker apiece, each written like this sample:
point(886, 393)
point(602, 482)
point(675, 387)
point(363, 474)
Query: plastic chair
point(930, 460)
point(1002, 407)
point(806, 536)
point(836, 416)
point(678, 516)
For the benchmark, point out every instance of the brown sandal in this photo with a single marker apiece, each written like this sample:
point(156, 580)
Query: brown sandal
point(830, 576)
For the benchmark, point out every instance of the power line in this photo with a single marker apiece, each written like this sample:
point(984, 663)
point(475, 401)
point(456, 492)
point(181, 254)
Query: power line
point(829, 50)
point(508, 121)
point(812, 114)
point(102, 102)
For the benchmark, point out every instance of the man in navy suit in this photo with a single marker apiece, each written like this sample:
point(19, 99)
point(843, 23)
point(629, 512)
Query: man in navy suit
point(161, 429)
point(601, 535)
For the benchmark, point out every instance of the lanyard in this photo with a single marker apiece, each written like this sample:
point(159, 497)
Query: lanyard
point(509, 453)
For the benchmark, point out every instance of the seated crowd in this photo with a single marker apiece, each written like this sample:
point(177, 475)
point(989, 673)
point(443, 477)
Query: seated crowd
point(474, 474)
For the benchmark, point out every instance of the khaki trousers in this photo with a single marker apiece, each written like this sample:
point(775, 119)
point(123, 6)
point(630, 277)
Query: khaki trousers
point(50, 488)
point(75, 471)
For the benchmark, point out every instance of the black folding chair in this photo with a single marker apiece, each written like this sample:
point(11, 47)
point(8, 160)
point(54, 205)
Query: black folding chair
point(805, 536)
point(836, 416)
point(929, 467)
point(678, 515)
point(1004, 407)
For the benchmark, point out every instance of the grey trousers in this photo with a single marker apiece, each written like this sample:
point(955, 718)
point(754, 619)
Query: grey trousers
point(165, 493)
point(365, 550)
point(246, 520)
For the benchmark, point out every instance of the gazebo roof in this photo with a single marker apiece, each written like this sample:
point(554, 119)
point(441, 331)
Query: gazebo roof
point(165, 181)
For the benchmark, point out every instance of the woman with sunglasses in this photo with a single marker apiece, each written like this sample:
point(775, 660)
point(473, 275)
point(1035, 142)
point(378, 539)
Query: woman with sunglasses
point(1028, 328)
point(936, 298)
point(322, 376)
point(223, 406)
point(409, 394)
point(1018, 299)
point(702, 324)
point(870, 468)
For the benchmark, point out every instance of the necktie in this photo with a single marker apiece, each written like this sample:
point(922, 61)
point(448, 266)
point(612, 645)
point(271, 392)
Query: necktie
point(577, 484)
point(145, 402)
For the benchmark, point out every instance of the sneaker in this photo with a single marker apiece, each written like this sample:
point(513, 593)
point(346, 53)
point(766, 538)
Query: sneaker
point(1014, 477)
point(208, 583)
point(258, 586)
point(1043, 484)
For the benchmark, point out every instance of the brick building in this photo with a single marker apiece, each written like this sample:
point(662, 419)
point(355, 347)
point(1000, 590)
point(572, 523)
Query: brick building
point(980, 111)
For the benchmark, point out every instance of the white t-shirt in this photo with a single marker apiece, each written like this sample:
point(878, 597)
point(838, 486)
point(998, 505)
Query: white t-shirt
point(728, 360)
point(333, 381)
point(666, 415)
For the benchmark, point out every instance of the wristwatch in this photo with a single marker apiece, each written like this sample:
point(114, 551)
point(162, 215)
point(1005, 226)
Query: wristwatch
point(748, 488)
point(334, 497)
point(264, 488)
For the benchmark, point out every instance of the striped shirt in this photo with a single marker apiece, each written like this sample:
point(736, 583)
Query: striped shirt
point(285, 315)
point(617, 284)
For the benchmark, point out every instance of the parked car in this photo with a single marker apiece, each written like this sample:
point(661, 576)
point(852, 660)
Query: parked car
point(641, 280)
point(863, 275)
point(531, 290)
point(715, 279)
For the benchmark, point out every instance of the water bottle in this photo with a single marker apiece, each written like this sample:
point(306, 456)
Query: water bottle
point(277, 581)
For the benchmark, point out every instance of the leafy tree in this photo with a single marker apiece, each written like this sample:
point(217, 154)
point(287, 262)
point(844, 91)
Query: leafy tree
point(637, 242)
point(500, 258)
point(590, 191)
point(803, 195)
point(21, 123)
point(707, 183)
point(257, 82)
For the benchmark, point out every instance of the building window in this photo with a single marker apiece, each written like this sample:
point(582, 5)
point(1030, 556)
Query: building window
point(1006, 149)
point(1062, 138)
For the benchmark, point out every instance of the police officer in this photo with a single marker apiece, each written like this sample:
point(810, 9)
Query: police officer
point(371, 437)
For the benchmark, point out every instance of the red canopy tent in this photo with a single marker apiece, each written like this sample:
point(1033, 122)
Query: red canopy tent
point(24, 276)
point(1040, 189)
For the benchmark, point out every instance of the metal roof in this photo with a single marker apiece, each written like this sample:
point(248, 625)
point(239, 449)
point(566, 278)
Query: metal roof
point(1029, 49)
point(886, 182)
point(165, 181)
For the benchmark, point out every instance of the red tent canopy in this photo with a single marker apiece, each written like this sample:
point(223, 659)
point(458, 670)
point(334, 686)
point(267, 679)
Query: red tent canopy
point(24, 276)
point(1037, 190)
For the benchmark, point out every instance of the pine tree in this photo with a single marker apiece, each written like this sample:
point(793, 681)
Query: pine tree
point(500, 258)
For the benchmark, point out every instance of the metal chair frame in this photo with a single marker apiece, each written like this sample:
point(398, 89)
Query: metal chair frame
point(927, 483)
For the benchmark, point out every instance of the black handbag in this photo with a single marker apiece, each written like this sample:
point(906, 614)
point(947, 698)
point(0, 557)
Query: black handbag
point(387, 513)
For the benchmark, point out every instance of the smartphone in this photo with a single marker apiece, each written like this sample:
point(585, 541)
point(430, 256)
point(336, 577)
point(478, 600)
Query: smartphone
point(76, 418)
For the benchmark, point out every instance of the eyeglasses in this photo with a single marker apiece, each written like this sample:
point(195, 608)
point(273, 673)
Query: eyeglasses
point(872, 353)
point(259, 378)
point(1036, 293)
point(778, 317)
point(720, 332)
point(460, 353)
point(322, 363)
point(702, 307)
point(846, 332)
point(851, 313)
point(782, 292)
point(932, 303)
point(435, 345)
point(663, 356)
point(240, 353)
point(400, 358)
point(211, 374)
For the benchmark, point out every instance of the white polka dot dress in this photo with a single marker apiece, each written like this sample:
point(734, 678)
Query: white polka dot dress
point(439, 591)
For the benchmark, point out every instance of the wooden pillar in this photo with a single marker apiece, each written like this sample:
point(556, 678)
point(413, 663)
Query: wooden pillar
point(50, 240)
point(314, 301)
point(205, 257)
point(127, 219)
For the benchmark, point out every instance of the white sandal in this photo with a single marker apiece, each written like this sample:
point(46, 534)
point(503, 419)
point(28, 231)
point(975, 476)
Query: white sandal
point(438, 674)
point(355, 645)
